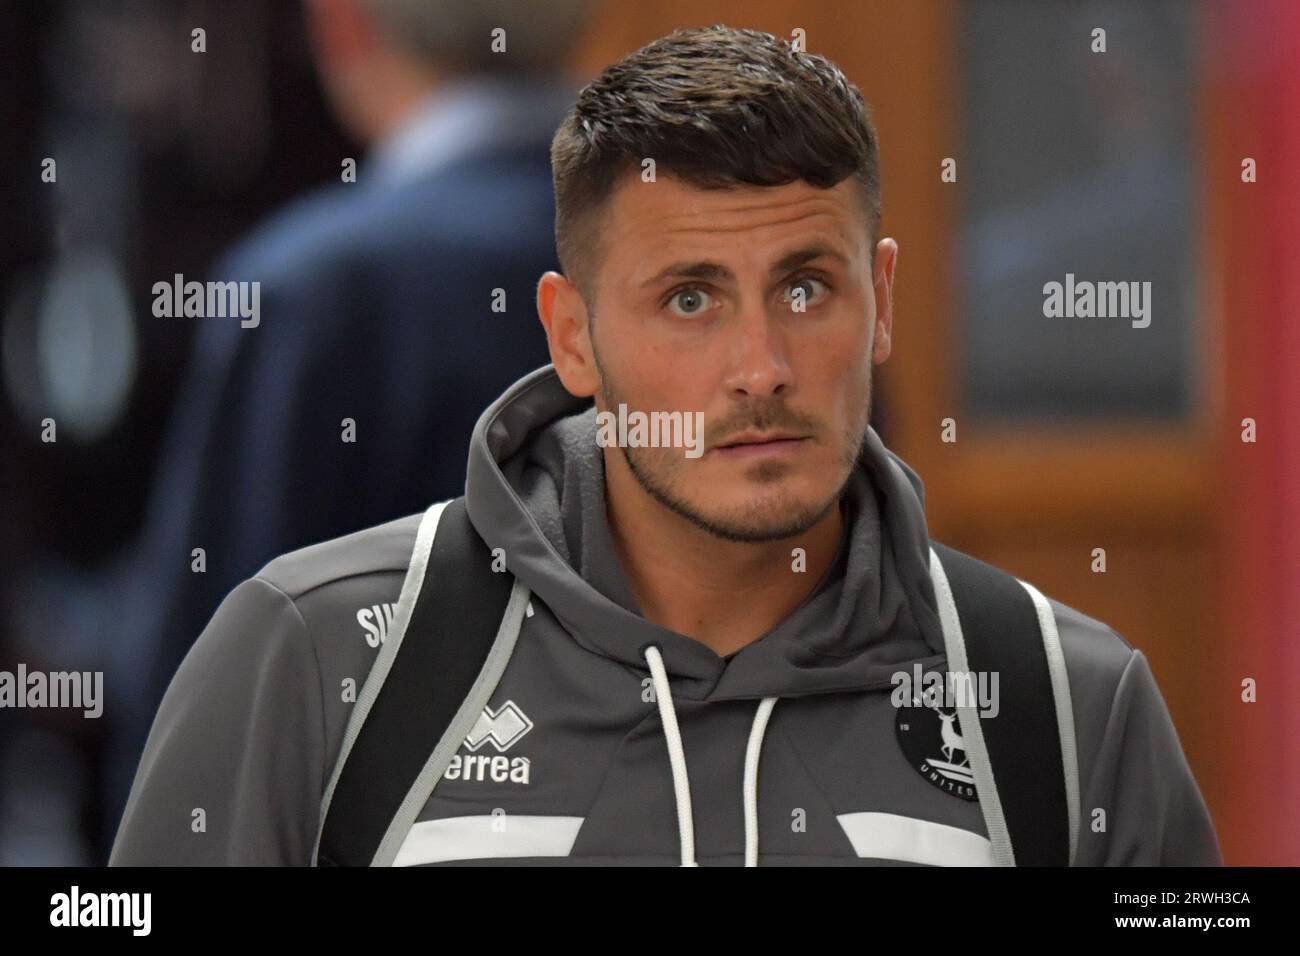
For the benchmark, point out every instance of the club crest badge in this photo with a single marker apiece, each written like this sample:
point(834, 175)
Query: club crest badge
point(931, 740)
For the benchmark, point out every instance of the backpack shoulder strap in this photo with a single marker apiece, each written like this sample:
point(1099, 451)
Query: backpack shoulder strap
point(1023, 755)
point(420, 690)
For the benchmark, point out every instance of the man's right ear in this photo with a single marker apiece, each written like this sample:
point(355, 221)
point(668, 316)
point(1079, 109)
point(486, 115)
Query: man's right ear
point(564, 316)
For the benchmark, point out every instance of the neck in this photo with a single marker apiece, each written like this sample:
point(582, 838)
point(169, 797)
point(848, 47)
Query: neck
point(391, 110)
point(725, 594)
point(376, 99)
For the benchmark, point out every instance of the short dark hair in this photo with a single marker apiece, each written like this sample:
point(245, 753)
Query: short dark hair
point(715, 107)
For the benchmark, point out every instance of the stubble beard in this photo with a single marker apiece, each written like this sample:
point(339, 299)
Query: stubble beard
point(759, 522)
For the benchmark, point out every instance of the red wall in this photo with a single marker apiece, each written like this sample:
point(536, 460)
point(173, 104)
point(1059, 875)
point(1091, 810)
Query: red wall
point(1260, 46)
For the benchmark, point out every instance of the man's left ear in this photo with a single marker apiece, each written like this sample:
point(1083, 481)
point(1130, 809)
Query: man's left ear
point(883, 289)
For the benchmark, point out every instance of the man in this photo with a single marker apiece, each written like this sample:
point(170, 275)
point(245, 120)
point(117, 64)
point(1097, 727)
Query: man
point(758, 589)
point(392, 309)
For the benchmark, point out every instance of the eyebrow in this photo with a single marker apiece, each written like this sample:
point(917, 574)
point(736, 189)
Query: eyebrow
point(712, 270)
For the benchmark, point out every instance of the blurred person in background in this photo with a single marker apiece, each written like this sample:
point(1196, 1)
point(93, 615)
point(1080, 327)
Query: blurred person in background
point(135, 155)
point(392, 309)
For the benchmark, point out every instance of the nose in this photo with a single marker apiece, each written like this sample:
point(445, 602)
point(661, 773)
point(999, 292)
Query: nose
point(759, 366)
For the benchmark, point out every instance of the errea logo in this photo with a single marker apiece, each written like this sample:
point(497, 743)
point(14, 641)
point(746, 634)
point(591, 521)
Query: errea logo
point(502, 728)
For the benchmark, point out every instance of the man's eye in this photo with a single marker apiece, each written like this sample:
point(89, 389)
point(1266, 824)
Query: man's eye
point(805, 291)
point(689, 302)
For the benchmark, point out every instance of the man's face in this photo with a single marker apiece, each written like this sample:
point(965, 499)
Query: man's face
point(698, 298)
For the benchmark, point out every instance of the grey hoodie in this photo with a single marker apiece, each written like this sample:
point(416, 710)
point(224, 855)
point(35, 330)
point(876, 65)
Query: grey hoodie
point(572, 759)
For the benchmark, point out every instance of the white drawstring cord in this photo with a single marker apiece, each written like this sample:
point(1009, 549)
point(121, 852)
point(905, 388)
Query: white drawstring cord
point(676, 755)
point(750, 793)
point(677, 760)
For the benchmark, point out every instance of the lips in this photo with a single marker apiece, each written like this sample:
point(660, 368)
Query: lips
point(758, 438)
point(757, 446)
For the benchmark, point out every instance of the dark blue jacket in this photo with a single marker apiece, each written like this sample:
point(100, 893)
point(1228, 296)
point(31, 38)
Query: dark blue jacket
point(376, 305)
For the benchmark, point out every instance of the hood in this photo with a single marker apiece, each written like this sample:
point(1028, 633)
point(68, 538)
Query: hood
point(535, 488)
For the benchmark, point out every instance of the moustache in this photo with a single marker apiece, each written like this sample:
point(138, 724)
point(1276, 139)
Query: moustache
point(773, 416)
